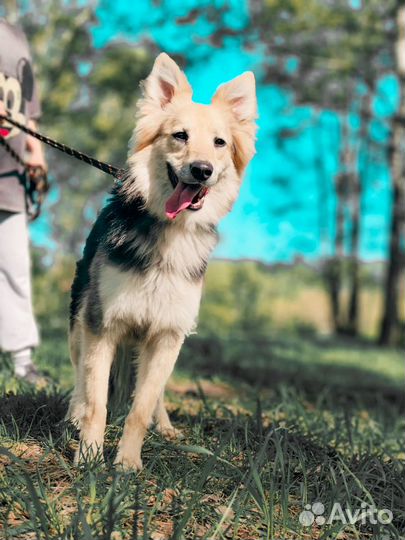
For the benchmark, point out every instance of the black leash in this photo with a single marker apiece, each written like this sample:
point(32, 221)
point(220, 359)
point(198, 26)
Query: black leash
point(11, 151)
point(101, 165)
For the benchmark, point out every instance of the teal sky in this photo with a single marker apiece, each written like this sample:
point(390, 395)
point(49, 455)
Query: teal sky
point(286, 206)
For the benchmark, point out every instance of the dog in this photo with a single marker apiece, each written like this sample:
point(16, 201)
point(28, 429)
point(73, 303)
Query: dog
point(141, 274)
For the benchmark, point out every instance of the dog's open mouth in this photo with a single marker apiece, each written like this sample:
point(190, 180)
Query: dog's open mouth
point(184, 196)
point(4, 131)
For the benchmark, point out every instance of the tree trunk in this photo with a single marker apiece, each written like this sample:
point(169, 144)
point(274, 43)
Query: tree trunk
point(334, 270)
point(389, 332)
point(358, 177)
point(353, 306)
point(330, 269)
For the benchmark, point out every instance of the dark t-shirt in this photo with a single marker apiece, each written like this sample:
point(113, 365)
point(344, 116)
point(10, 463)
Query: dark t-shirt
point(19, 96)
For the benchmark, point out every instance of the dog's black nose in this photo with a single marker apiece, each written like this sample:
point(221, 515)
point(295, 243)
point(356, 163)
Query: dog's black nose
point(201, 170)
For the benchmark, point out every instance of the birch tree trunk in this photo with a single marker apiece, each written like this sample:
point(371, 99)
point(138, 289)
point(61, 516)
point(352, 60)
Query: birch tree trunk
point(353, 266)
point(335, 266)
point(358, 177)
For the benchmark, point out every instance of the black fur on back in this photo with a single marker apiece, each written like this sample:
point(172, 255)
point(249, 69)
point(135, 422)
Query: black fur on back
point(125, 233)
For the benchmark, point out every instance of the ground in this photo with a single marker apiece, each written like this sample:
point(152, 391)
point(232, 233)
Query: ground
point(269, 427)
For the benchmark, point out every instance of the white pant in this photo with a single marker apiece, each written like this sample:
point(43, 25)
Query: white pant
point(18, 329)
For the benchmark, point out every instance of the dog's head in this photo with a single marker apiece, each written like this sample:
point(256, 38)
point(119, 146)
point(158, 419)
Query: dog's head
point(188, 159)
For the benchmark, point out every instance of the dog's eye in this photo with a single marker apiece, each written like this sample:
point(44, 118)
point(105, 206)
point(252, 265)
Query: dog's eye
point(219, 142)
point(180, 136)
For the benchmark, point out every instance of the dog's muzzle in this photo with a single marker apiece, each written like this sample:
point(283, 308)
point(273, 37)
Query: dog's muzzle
point(185, 196)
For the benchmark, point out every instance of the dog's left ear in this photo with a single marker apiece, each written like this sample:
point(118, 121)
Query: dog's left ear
point(239, 95)
point(166, 81)
point(239, 98)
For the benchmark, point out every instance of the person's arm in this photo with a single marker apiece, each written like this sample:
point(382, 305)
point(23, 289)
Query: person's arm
point(35, 156)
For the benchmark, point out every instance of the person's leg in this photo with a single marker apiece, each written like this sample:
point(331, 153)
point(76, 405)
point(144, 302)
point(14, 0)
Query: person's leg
point(22, 361)
point(18, 330)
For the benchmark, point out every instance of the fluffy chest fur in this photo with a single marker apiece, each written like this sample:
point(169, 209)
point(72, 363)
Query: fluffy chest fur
point(154, 301)
point(166, 295)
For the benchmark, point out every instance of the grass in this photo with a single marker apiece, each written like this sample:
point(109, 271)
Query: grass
point(270, 425)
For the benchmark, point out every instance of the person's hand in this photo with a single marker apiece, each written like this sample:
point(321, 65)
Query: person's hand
point(38, 178)
point(36, 158)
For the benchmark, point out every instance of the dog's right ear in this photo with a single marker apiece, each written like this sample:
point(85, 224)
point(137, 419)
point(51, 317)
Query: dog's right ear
point(165, 81)
point(238, 97)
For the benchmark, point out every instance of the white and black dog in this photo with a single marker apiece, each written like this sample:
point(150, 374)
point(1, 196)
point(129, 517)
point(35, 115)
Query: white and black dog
point(142, 270)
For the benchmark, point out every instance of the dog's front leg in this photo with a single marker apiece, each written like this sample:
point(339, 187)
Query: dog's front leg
point(96, 356)
point(156, 361)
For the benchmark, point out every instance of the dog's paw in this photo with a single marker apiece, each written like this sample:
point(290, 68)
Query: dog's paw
point(170, 433)
point(128, 463)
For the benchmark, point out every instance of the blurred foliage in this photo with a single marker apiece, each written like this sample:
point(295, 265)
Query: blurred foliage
point(252, 300)
point(233, 300)
point(333, 47)
point(52, 293)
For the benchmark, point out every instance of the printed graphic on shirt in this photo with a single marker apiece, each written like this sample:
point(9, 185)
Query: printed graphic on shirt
point(14, 93)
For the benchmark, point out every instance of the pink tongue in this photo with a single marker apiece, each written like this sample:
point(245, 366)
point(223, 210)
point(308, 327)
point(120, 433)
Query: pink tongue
point(181, 198)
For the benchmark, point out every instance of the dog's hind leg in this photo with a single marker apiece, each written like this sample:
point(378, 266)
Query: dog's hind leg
point(97, 355)
point(162, 420)
point(156, 361)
